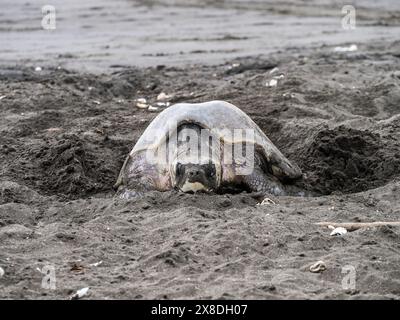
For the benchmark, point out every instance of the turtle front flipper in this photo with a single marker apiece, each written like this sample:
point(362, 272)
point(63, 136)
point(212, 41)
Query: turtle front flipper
point(259, 181)
point(124, 187)
point(138, 176)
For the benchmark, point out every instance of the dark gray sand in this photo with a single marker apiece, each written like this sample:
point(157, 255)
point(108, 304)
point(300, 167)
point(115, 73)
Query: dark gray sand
point(65, 132)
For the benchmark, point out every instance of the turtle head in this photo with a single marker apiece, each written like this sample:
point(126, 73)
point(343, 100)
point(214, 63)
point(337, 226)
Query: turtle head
point(190, 177)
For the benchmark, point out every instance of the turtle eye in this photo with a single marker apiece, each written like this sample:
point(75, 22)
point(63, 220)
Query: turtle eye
point(211, 170)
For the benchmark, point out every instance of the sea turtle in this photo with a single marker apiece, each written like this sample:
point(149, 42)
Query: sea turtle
point(210, 146)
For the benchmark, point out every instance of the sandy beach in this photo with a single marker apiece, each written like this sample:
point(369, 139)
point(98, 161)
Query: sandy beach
point(69, 118)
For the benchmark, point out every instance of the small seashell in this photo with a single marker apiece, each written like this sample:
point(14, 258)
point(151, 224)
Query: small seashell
point(1, 272)
point(141, 105)
point(2, 97)
point(266, 201)
point(152, 109)
point(272, 83)
point(80, 293)
point(353, 47)
point(317, 267)
point(163, 97)
point(37, 69)
point(163, 104)
point(338, 231)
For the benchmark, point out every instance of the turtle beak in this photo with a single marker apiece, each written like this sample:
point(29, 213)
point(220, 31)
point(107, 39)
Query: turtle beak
point(193, 187)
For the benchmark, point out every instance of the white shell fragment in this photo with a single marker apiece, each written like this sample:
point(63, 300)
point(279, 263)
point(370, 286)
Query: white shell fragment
point(338, 231)
point(163, 104)
point(95, 264)
point(2, 97)
point(163, 97)
point(272, 83)
point(274, 70)
point(351, 48)
point(317, 267)
point(153, 109)
point(80, 293)
point(266, 201)
point(141, 103)
point(37, 69)
point(141, 100)
point(1, 272)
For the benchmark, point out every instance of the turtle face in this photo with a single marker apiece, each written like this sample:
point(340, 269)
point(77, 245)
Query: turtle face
point(191, 177)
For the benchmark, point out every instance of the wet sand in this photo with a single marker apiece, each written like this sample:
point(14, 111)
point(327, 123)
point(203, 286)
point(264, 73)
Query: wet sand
point(66, 129)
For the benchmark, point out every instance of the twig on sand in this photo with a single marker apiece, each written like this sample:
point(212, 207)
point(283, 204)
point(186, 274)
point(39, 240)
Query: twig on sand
point(352, 226)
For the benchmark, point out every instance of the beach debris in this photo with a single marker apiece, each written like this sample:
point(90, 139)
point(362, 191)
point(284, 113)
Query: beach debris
point(80, 293)
point(266, 201)
point(274, 70)
point(96, 102)
point(50, 130)
point(340, 231)
point(352, 226)
point(272, 83)
point(163, 97)
point(2, 97)
point(152, 109)
point(233, 66)
point(1, 272)
point(163, 104)
point(96, 264)
point(141, 103)
point(288, 95)
point(318, 267)
point(78, 268)
point(351, 48)
point(37, 69)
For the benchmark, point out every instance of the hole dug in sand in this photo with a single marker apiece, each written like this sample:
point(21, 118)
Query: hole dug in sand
point(347, 160)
